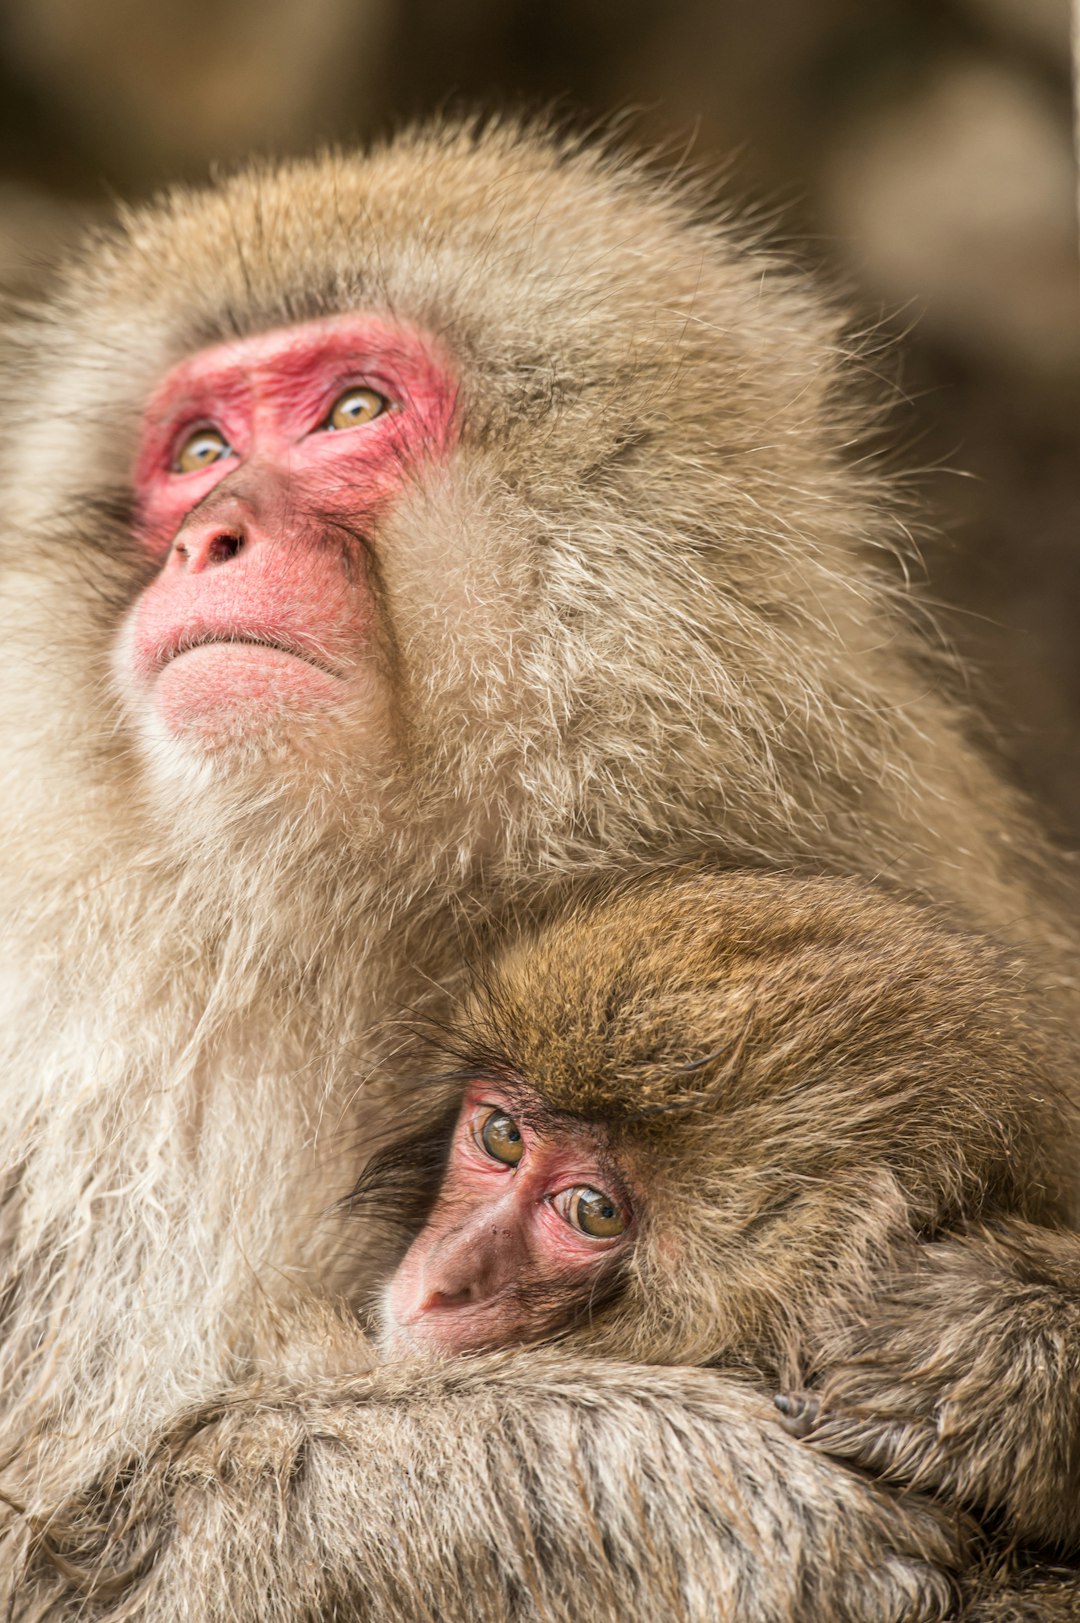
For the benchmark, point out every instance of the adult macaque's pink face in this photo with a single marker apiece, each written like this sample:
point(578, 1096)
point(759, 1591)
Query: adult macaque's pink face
point(262, 470)
point(525, 1224)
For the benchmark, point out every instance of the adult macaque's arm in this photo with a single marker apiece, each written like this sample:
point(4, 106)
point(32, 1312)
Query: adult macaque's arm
point(964, 1378)
point(517, 1486)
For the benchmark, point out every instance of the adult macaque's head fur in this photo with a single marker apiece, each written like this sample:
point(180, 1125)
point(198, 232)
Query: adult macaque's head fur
point(790, 1074)
point(635, 609)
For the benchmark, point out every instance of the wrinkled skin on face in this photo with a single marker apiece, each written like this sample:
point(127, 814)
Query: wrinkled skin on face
point(262, 467)
point(531, 1218)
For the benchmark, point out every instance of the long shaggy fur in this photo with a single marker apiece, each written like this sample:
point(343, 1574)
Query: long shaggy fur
point(644, 612)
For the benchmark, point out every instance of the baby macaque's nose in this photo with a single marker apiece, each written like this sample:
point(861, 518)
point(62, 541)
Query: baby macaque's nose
point(467, 1267)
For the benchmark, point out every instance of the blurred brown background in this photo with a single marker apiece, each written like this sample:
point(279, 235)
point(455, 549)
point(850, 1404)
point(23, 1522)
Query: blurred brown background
point(918, 149)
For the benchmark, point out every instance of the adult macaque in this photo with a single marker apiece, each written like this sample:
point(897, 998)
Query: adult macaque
point(707, 1119)
point(384, 543)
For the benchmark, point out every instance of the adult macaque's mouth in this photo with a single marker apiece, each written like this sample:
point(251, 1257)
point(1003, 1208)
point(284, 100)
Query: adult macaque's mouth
point(271, 645)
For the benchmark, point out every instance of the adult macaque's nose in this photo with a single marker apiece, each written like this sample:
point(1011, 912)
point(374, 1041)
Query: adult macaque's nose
point(214, 532)
point(245, 508)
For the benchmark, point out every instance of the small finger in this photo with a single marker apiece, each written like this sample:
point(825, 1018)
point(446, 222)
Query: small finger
point(798, 1412)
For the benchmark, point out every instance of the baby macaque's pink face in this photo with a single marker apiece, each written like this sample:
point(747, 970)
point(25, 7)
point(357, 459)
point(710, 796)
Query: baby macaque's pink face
point(525, 1224)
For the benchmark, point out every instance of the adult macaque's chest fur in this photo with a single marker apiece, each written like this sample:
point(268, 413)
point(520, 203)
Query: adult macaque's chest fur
point(194, 1114)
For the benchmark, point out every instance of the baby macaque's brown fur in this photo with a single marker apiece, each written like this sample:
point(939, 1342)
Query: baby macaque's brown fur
point(849, 1153)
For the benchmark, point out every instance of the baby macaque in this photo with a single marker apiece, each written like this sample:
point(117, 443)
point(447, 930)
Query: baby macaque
point(709, 1118)
point(533, 1216)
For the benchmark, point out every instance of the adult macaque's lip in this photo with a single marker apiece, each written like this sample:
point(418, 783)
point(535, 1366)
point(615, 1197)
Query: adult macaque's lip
point(277, 645)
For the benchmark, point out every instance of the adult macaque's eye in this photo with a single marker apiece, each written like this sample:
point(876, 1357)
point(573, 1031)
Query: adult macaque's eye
point(593, 1212)
point(500, 1138)
point(200, 449)
point(355, 406)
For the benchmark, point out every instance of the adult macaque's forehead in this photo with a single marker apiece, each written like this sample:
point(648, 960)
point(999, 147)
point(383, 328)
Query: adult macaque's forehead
point(533, 260)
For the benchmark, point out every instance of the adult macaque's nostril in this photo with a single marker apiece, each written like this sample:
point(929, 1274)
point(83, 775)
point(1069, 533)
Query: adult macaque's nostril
point(223, 547)
point(215, 533)
point(196, 549)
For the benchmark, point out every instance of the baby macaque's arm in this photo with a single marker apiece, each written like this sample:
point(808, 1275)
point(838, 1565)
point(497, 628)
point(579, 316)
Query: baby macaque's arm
point(964, 1378)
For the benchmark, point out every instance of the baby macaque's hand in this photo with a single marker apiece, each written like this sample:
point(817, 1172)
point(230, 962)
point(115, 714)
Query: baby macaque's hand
point(962, 1379)
point(798, 1412)
point(894, 1439)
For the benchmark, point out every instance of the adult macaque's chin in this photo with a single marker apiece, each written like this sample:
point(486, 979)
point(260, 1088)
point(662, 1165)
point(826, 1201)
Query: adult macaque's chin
point(225, 691)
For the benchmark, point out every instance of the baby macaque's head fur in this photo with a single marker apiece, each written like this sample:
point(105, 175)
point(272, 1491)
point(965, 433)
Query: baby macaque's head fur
point(792, 1075)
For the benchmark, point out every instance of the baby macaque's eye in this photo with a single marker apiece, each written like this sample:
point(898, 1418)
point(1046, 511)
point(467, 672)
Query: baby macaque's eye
point(593, 1212)
point(201, 448)
point(500, 1137)
point(357, 405)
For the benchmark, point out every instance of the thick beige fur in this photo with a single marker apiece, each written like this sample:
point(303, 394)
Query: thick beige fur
point(646, 611)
